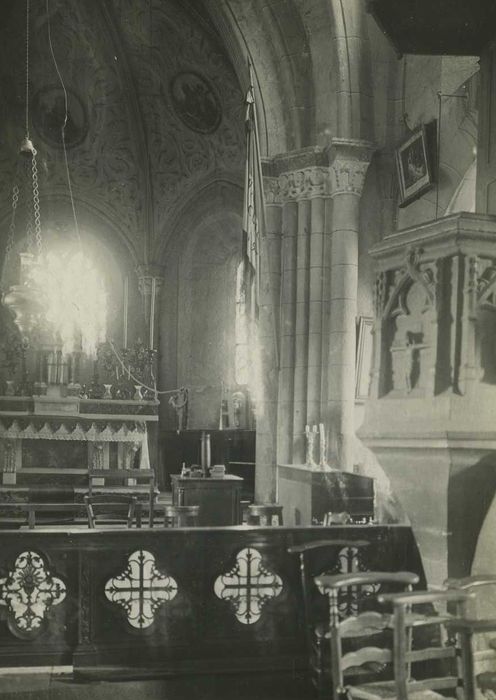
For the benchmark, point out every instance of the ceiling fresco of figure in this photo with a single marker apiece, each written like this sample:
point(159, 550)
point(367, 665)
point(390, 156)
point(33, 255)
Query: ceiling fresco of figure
point(154, 108)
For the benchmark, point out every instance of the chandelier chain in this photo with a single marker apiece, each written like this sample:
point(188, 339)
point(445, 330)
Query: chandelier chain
point(10, 239)
point(36, 203)
point(27, 68)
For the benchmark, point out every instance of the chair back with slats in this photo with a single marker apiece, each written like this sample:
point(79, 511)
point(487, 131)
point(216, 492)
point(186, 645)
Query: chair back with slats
point(353, 654)
point(112, 509)
point(436, 662)
point(315, 558)
point(478, 629)
point(107, 481)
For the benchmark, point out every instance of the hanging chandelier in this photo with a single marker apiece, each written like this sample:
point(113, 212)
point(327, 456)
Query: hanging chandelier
point(24, 299)
point(59, 300)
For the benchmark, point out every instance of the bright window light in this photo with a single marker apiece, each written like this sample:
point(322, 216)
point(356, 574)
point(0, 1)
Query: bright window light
point(74, 299)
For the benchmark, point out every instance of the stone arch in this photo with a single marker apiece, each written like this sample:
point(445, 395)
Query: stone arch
point(312, 69)
point(200, 257)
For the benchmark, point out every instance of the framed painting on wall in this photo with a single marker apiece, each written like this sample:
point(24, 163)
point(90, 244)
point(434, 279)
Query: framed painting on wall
point(413, 163)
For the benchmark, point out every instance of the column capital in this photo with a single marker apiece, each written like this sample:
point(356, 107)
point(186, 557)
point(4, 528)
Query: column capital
point(300, 174)
point(146, 273)
point(349, 160)
point(304, 183)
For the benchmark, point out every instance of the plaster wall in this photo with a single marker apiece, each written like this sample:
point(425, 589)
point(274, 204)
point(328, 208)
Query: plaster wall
point(198, 304)
point(423, 78)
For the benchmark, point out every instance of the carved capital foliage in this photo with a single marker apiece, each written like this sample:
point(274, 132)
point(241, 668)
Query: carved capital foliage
point(305, 183)
point(350, 160)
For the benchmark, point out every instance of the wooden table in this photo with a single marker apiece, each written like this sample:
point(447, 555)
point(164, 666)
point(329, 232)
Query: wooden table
point(219, 499)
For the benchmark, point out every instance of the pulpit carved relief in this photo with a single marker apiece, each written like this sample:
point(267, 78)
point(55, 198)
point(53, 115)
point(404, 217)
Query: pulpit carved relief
point(406, 313)
point(435, 310)
point(481, 289)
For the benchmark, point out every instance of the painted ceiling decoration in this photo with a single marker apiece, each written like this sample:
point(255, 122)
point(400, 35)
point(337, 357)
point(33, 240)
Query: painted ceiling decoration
point(195, 102)
point(154, 108)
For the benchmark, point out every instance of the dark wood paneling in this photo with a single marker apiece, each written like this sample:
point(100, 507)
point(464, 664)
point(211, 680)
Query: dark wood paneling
point(195, 630)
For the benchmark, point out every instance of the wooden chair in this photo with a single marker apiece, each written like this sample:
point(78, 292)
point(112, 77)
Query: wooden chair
point(267, 515)
point(478, 623)
point(319, 557)
point(112, 509)
point(408, 658)
point(129, 481)
point(352, 653)
point(181, 516)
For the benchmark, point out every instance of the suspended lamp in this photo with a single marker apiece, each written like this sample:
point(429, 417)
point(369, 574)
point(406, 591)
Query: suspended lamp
point(59, 300)
point(24, 299)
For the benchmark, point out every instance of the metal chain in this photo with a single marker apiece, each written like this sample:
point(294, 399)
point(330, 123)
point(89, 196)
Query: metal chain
point(30, 233)
point(36, 204)
point(27, 68)
point(10, 239)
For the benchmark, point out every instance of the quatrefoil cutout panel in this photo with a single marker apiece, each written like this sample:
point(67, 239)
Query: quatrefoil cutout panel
point(348, 561)
point(29, 592)
point(141, 589)
point(248, 586)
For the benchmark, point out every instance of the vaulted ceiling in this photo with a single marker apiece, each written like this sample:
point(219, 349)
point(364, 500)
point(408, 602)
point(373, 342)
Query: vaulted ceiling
point(155, 109)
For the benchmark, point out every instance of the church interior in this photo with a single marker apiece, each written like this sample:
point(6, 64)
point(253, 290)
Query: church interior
point(247, 349)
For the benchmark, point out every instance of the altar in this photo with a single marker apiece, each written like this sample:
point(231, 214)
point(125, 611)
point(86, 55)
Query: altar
point(53, 447)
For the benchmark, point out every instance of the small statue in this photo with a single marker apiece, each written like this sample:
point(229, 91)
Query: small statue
point(310, 436)
point(179, 402)
point(411, 360)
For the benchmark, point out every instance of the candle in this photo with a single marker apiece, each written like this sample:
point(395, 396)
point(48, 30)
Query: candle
point(208, 454)
point(152, 311)
point(126, 304)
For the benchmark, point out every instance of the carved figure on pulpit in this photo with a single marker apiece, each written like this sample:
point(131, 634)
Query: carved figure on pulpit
point(413, 341)
point(412, 361)
point(179, 402)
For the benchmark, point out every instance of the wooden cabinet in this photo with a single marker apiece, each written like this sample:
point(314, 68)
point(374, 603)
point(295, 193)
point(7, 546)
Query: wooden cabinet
point(219, 499)
point(234, 448)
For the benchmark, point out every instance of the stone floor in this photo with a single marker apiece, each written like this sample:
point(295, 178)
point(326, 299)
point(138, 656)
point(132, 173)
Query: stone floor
point(46, 686)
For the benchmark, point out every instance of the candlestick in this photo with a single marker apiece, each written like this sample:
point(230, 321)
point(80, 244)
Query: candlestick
point(126, 304)
point(208, 453)
point(152, 311)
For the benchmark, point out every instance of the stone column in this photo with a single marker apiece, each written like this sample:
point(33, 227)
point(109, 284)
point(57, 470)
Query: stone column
point(303, 189)
point(349, 160)
point(301, 331)
point(287, 333)
point(315, 310)
point(150, 277)
point(268, 329)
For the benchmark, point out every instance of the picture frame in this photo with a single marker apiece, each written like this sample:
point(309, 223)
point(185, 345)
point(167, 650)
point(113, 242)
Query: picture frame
point(364, 357)
point(413, 165)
